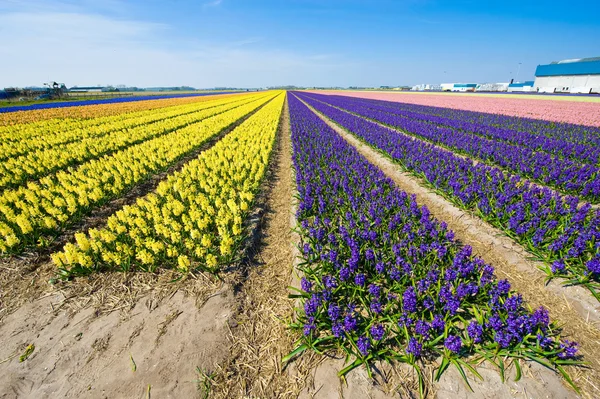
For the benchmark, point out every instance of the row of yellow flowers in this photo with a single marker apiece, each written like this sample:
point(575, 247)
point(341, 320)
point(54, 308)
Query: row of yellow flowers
point(194, 219)
point(49, 127)
point(31, 213)
point(20, 139)
point(14, 171)
point(92, 111)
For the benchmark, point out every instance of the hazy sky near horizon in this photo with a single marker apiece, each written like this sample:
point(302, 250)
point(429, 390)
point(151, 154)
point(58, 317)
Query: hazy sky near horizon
point(257, 43)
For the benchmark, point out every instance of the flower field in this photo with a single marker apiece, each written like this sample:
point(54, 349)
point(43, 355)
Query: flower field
point(542, 161)
point(550, 225)
point(53, 114)
point(305, 232)
point(106, 138)
point(196, 215)
point(383, 280)
point(50, 204)
point(583, 111)
point(66, 104)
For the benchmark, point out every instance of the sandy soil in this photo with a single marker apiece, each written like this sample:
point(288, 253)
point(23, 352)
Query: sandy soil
point(153, 348)
point(511, 263)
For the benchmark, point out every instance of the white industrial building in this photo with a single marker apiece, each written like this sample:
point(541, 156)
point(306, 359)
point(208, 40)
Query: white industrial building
point(460, 87)
point(580, 75)
point(427, 87)
point(492, 87)
point(521, 87)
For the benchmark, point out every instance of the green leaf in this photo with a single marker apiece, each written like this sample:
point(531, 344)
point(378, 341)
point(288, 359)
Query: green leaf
point(501, 367)
point(349, 368)
point(462, 373)
point(471, 368)
point(293, 354)
point(518, 368)
point(28, 351)
point(442, 368)
point(421, 381)
point(568, 378)
point(540, 361)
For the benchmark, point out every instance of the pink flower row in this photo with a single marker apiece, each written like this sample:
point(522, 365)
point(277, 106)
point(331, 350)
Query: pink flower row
point(578, 112)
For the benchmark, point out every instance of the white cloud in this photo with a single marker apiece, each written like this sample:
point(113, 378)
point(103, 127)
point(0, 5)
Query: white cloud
point(79, 47)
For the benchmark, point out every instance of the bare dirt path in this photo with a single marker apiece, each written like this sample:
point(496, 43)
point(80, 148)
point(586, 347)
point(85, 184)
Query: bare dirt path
point(512, 263)
point(261, 339)
point(151, 348)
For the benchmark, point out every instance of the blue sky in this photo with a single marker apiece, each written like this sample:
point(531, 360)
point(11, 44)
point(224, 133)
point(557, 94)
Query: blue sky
point(258, 43)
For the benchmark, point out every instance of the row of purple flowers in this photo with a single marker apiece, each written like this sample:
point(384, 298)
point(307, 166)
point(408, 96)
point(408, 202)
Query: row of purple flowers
point(383, 280)
point(564, 132)
point(554, 170)
point(553, 227)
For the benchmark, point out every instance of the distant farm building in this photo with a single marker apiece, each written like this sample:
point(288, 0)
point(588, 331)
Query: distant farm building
point(461, 87)
point(87, 89)
point(427, 87)
point(492, 87)
point(580, 75)
point(521, 87)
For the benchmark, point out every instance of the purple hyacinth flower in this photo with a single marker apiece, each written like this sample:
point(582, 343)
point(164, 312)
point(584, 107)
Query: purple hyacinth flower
point(375, 290)
point(503, 287)
point(438, 323)
point(414, 347)
point(541, 317)
point(453, 343)
point(364, 344)
point(545, 342)
point(350, 323)
point(338, 330)
point(310, 326)
point(558, 266)
point(503, 338)
point(422, 328)
point(569, 349)
point(305, 284)
point(475, 331)
point(360, 279)
point(377, 332)
point(334, 311)
point(344, 274)
point(593, 266)
point(409, 300)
